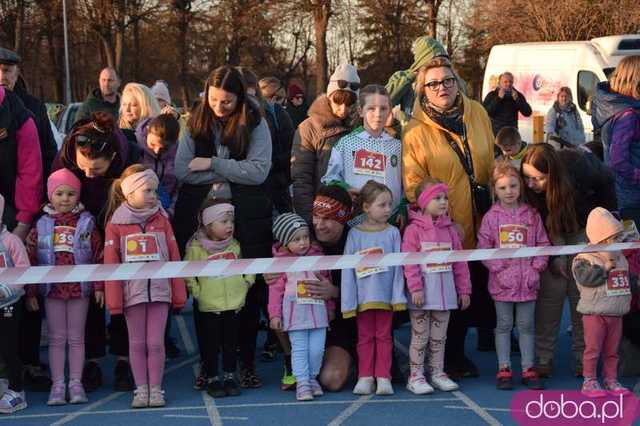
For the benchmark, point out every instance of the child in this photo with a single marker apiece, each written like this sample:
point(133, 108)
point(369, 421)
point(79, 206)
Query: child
point(605, 296)
point(510, 223)
point(138, 230)
point(373, 293)
point(369, 153)
point(292, 310)
point(157, 137)
point(12, 253)
point(218, 298)
point(65, 235)
point(433, 289)
point(512, 146)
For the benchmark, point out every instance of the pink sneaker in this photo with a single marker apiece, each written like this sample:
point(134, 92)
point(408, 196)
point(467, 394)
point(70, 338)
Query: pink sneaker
point(615, 388)
point(77, 395)
point(592, 389)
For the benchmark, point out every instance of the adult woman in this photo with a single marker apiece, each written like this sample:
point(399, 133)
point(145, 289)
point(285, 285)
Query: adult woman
point(563, 119)
point(444, 118)
point(137, 103)
point(97, 152)
point(225, 152)
point(564, 186)
point(616, 112)
point(330, 118)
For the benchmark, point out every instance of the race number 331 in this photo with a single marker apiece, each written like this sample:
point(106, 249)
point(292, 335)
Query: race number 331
point(369, 163)
point(142, 248)
point(618, 283)
point(513, 236)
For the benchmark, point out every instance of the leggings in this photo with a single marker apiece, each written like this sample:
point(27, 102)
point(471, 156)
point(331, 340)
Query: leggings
point(525, 319)
point(146, 323)
point(307, 350)
point(10, 317)
point(66, 322)
point(219, 332)
point(428, 328)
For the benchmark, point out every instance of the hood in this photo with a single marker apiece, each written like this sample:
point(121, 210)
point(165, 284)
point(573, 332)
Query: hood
point(521, 210)
point(606, 104)
point(279, 251)
point(323, 119)
point(418, 219)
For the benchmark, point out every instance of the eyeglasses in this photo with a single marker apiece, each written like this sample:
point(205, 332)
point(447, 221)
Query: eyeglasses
point(447, 83)
point(343, 84)
point(83, 141)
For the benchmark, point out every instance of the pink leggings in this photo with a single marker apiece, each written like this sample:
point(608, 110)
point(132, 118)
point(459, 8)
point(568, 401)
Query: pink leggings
point(146, 323)
point(65, 323)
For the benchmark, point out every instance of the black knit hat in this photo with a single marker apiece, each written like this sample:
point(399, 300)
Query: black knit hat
point(286, 225)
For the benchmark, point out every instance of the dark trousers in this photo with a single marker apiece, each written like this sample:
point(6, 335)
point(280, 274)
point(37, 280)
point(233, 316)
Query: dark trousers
point(95, 342)
point(249, 321)
point(10, 318)
point(197, 322)
point(221, 333)
point(30, 332)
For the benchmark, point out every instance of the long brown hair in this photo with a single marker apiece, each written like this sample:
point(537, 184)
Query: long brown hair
point(98, 134)
point(116, 197)
point(235, 130)
point(558, 201)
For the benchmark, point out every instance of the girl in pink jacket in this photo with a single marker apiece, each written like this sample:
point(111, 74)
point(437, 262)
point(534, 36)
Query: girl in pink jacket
point(433, 289)
point(511, 223)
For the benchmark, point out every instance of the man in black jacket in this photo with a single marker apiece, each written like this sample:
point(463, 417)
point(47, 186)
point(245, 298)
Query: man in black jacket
point(11, 80)
point(104, 98)
point(504, 103)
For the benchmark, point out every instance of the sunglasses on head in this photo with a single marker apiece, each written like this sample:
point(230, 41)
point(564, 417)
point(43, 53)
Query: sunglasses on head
point(343, 84)
point(83, 141)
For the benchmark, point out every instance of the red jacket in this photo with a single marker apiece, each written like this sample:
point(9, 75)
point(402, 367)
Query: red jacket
point(122, 294)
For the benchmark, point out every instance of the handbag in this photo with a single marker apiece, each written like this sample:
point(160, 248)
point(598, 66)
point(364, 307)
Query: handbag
point(480, 194)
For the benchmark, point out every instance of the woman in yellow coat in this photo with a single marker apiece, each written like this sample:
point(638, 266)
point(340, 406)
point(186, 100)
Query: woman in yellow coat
point(442, 111)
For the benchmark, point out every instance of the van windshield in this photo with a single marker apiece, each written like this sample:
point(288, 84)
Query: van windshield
point(608, 71)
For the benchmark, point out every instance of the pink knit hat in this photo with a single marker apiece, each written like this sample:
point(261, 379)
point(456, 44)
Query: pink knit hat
point(602, 225)
point(62, 177)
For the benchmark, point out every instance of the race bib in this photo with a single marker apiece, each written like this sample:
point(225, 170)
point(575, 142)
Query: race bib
point(618, 283)
point(142, 248)
point(63, 238)
point(435, 267)
point(3, 260)
point(303, 297)
point(225, 255)
point(631, 229)
point(367, 271)
point(513, 236)
point(369, 163)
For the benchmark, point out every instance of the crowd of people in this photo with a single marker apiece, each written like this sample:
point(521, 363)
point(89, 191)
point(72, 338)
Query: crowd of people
point(253, 171)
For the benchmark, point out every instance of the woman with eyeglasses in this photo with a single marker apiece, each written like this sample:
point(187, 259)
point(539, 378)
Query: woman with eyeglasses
point(331, 116)
point(564, 186)
point(97, 153)
point(447, 129)
point(296, 105)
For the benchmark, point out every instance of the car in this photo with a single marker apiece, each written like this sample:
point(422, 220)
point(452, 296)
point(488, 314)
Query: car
point(68, 118)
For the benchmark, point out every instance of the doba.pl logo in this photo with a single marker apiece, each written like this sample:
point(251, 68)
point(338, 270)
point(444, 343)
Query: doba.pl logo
point(572, 408)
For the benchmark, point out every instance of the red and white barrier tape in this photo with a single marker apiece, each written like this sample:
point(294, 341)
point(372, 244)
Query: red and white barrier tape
point(128, 271)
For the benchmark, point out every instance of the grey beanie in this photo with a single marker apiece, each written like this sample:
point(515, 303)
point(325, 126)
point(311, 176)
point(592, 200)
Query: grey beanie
point(286, 225)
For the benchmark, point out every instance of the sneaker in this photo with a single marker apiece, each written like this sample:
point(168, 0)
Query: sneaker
point(615, 388)
point(315, 387)
point(77, 394)
point(304, 391)
point(215, 388)
point(365, 386)
point(57, 394)
point(249, 378)
point(419, 385)
point(91, 376)
point(140, 397)
point(383, 386)
point(592, 389)
point(156, 397)
point(12, 401)
point(230, 385)
point(442, 382)
point(4, 385)
point(288, 379)
point(36, 378)
point(531, 379)
point(503, 379)
point(123, 378)
point(171, 349)
point(200, 383)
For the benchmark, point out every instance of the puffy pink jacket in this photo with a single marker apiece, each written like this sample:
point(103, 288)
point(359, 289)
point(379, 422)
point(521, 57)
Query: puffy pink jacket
point(513, 280)
point(438, 290)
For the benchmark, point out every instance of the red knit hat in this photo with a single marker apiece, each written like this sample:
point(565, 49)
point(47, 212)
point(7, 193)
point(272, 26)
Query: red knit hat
point(294, 90)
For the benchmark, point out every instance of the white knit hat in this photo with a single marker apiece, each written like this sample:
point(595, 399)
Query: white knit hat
point(344, 73)
point(161, 91)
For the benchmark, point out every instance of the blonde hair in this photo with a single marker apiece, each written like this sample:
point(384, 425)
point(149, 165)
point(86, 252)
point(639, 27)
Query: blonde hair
point(625, 80)
point(149, 106)
point(503, 168)
point(438, 62)
point(116, 197)
point(424, 184)
point(370, 191)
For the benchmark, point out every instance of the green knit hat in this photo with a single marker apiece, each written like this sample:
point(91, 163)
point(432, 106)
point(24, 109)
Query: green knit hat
point(425, 49)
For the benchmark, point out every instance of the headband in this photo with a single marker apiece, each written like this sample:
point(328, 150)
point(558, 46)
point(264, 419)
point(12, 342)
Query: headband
point(137, 180)
point(329, 208)
point(431, 193)
point(216, 212)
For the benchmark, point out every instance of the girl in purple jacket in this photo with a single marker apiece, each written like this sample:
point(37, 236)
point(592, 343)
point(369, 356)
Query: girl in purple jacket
point(511, 223)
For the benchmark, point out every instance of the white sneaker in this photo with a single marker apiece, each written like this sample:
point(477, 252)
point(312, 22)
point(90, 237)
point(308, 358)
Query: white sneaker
point(140, 397)
point(12, 401)
point(4, 385)
point(419, 386)
point(383, 386)
point(442, 382)
point(365, 386)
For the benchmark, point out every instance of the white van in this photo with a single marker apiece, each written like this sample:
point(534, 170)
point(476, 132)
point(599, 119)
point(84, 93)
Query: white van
point(540, 69)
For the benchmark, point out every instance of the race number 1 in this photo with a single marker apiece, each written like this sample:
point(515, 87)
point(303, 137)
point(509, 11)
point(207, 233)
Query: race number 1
point(142, 248)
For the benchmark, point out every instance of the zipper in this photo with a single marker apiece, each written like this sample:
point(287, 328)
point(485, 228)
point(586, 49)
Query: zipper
point(144, 231)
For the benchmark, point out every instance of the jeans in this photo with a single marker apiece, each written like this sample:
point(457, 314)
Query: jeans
point(525, 319)
point(307, 350)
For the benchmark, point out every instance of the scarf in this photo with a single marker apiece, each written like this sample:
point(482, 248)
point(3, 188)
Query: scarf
point(210, 245)
point(450, 119)
point(125, 214)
